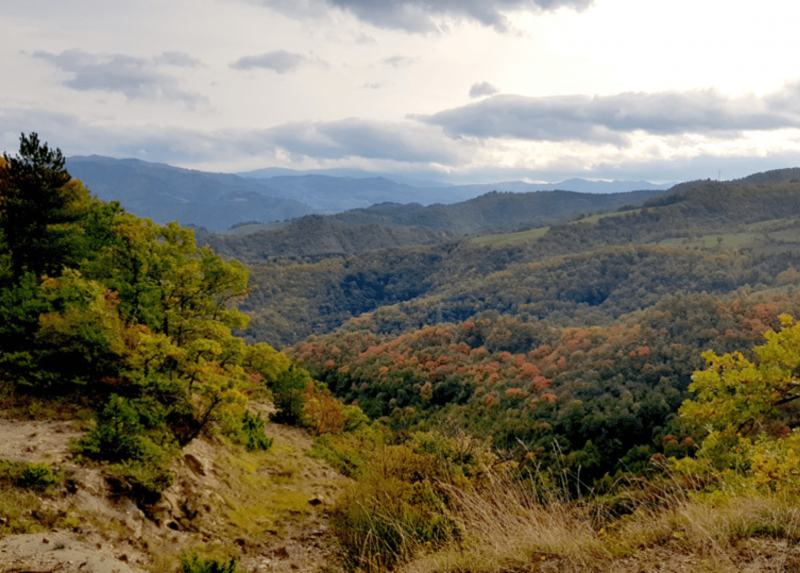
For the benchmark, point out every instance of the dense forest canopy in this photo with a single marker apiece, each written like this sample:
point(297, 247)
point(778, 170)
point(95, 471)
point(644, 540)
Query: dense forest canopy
point(583, 334)
point(129, 316)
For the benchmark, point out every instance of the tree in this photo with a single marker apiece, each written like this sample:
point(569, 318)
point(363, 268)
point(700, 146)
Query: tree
point(736, 396)
point(745, 409)
point(34, 204)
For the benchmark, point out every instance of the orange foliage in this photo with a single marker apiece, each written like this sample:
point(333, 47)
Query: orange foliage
point(321, 411)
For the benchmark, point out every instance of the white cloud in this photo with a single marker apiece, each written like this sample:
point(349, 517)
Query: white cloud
point(613, 118)
point(134, 77)
point(482, 89)
point(279, 61)
point(425, 16)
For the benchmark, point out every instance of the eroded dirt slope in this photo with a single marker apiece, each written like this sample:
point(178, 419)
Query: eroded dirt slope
point(269, 509)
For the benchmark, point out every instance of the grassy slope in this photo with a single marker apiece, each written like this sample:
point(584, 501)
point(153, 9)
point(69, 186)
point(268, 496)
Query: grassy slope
point(224, 502)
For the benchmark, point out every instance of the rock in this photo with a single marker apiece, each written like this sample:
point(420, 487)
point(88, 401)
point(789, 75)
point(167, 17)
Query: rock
point(280, 553)
point(195, 464)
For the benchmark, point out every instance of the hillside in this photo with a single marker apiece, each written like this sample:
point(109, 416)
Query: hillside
point(498, 211)
point(615, 393)
point(272, 506)
point(395, 225)
point(314, 236)
point(217, 201)
point(596, 269)
point(163, 193)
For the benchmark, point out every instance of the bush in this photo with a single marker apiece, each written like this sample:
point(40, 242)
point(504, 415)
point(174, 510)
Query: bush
point(393, 511)
point(38, 477)
point(248, 430)
point(119, 435)
point(322, 413)
point(287, 393)
point(26, 475)
point(194, 564)
point(142, 482)
point(348, 453)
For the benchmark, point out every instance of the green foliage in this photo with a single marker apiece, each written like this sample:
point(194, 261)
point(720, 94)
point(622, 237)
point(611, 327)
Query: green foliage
point(287, 392)
point(745, 409)
point(141, 481)
point(349, 453)
point(119, 435)
point(34, 476)
point(194, 564)
point(402, 501)
point(34, 207)
point(96, 299)
point(39, 477)
point(390, 515)
point(247, 430)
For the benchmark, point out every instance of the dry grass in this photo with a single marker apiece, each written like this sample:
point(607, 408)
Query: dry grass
point(507, 529)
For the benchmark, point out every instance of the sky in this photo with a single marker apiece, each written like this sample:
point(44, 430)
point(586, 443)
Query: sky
point(458, 90)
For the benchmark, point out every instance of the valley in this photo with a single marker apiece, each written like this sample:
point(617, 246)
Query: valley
point(521, 381)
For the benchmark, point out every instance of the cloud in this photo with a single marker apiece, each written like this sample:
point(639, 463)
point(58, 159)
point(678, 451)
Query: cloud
point(279, 61)
point(425, 16)
point(390, 146)
point(178, 59)
point(613, 118)
point(397, 141)
point(373, 85)
point(482, 89)
point(398, 61)
point(135, 78)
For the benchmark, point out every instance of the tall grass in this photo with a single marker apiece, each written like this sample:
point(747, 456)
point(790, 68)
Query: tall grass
point(510, 527)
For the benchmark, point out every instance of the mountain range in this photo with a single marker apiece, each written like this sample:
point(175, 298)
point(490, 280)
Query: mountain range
point(218, 201)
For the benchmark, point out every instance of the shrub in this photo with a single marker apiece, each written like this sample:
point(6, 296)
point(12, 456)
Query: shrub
point(194, 564)
point(38, 476)
point(322, 413)
point(395, 509)
point(248, 430)
point(119, 435)
point(142, 482)
point(349, 453)
point(287, 393)
point(26, 475)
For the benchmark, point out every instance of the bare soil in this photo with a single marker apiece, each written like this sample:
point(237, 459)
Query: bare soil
point(269, 509)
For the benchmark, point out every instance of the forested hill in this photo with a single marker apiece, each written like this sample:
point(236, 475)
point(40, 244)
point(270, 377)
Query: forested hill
point(498, 211)
point(573, 345)
point(315, 236)
point(391, 225)
point(714, 238)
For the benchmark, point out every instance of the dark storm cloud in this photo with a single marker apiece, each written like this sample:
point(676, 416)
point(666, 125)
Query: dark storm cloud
point(613, 118)
point(420, 16)
point(279, 61)
point(482, 89)
point(135, 78)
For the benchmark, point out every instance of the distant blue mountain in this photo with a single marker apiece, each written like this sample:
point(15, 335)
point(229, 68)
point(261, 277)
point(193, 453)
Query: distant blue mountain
point(218, 201)
point(447, 193)
point(164, 193)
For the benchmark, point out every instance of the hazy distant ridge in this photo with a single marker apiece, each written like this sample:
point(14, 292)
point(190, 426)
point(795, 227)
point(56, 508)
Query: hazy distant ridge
point(218, 200)
point(165, 193)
